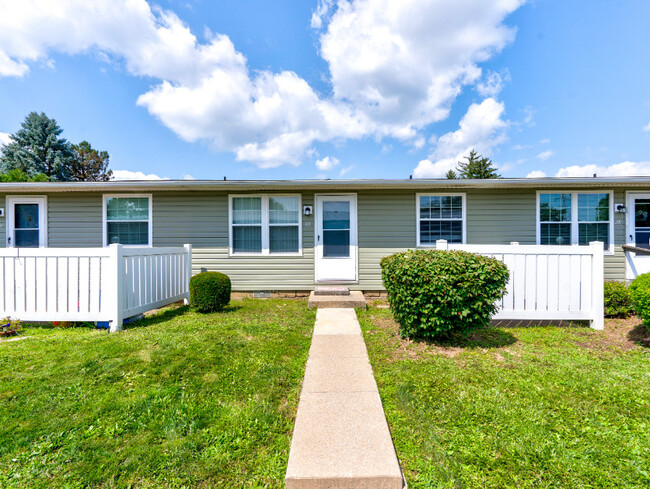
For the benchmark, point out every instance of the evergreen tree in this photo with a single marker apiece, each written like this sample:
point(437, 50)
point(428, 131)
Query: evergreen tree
point(451, 175)
point(88, 164)
point(17, 175)
point(477, 166)
point(37, 148)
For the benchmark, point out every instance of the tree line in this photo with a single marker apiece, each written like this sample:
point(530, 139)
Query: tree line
point(37, 152)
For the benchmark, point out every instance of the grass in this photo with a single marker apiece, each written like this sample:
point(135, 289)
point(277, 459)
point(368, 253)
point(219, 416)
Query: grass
point(180, 399)
point(516, 407)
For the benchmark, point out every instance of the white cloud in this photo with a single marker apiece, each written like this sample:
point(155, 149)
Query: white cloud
point(544, 141)
point(545, 155)
point(4, 139)
point(346, 170)
point(624, 169)
point(646, 128)
point(318, 16)
point(536, 174)
point(403, 63)
point(492, 84)
point(135, 175)
point(187, 176)
point(481, 128)
point(395, 67)
point(327, 163)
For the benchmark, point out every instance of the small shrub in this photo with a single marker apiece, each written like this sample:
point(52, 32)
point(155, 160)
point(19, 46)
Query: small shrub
point(209, 291)
point(640, 294)
point(434, 293)
point(618, 303)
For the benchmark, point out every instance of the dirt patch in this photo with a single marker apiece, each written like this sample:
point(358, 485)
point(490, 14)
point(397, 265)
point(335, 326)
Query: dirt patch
point(622, 334)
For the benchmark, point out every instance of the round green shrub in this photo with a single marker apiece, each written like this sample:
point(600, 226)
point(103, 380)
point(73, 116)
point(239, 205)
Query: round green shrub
point(640, 294)
point(433, 293)
point(209, 291)
point(618, 302)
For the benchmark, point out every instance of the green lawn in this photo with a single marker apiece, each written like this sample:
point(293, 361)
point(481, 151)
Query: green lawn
point(517, 407)
point(178, 400)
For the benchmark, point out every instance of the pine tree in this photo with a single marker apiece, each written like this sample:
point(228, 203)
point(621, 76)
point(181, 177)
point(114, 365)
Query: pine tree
point(477, 166)
point(88, 164)
point(36, 148)
point(451, 175)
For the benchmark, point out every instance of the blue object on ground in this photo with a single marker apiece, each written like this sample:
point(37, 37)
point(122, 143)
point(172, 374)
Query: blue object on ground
point(103, 324)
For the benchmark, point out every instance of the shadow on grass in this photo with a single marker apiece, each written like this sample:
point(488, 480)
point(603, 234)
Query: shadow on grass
point(482, 338)
point(230, 308)
point(640, 335)
point(160, 317)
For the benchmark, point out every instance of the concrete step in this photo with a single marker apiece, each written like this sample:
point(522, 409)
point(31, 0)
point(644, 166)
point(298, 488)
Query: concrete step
point(355, 299)
point(331, 290)
point(341, 438)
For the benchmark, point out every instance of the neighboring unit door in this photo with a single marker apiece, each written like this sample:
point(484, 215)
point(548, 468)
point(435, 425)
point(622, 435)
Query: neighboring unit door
point(638, 234)
point(336, 238)
point(26, 222)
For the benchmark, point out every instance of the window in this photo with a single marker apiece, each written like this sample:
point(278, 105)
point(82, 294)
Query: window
point(265, 224)
point(127, 220)
point(440, 216)
point(568, 218)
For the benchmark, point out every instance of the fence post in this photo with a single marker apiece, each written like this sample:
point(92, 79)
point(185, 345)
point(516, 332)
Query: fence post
point(598, 285)
point(188, 271)
point(116, 306)
point(441, 244)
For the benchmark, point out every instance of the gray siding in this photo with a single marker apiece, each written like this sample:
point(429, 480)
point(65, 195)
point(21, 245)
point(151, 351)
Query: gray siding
point(386, 224)
point(74, 220)
point(201, 219)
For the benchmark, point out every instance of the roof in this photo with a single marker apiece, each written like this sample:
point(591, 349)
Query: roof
point(326, 185)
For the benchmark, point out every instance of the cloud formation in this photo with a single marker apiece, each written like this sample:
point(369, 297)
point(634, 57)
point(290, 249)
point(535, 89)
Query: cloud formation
point(327, 163)
point(545, 155)
point(394, 68)
point(135, 175)
point(481, 128)
point(4, 139)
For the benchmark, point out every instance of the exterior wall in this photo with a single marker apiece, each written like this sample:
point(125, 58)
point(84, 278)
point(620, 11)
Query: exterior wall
point(386, 224)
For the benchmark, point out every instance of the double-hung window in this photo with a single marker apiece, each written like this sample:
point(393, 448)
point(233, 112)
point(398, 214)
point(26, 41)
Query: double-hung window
point(567, 218)
point(127, 220)
point(440, 216)
point(265, 224)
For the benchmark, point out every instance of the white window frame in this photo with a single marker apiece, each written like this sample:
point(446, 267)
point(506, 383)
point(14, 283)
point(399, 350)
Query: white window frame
point(42, 217)
point(265, 226)
point(463, 197)
point(575, 224)
point(105, 198)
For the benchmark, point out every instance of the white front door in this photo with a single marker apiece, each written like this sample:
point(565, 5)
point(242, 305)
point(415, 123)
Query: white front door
point(638, 234)
point(336, 238)
point(26, 222)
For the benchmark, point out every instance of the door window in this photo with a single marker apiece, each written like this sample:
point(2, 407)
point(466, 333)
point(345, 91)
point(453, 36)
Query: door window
point(336, 229)
point(26, 228)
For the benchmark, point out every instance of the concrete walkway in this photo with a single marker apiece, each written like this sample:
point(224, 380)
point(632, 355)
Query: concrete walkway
point(341, 438)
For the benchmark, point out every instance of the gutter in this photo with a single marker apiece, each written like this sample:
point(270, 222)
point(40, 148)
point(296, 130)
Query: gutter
point(326, 185)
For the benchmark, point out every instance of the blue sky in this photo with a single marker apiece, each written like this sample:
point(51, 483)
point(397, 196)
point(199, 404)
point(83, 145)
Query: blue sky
point(335, 89)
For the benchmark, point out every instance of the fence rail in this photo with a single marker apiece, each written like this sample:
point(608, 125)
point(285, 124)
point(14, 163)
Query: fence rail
point(548, 282)
point(91, 284)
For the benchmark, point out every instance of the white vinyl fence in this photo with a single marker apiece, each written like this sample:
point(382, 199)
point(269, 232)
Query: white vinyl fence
point(91, 284)
point(548, 282)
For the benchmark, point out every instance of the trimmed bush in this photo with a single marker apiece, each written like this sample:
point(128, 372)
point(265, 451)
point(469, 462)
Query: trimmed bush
point(433, 293)
point(209, 291)
point(618, 303)
point(640, 294)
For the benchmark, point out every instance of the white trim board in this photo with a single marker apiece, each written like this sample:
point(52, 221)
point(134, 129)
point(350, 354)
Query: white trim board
point(41, 200)
point(105, 197)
